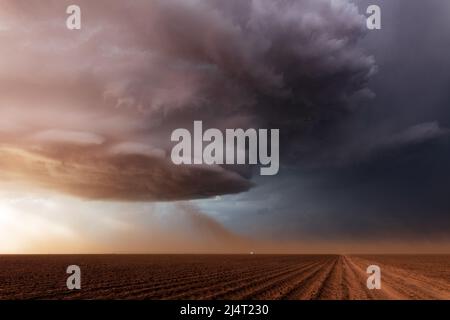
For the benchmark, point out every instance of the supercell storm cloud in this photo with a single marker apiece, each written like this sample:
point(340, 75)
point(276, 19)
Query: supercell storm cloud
point(90, 113)
point(363, 116)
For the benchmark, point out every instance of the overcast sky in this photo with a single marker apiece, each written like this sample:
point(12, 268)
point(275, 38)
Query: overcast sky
point(86, 117)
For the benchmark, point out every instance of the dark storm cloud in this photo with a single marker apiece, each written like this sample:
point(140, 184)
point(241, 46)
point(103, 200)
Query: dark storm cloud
point(385, 173)
point(90, 112)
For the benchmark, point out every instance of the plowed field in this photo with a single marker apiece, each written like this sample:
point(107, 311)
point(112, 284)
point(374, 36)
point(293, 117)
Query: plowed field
point(225, 277)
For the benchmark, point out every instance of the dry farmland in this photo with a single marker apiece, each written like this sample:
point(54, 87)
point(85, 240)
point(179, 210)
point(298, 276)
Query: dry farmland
point(224, 277)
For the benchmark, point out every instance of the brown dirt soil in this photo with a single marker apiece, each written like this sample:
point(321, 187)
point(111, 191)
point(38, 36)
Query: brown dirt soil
point(225, 277)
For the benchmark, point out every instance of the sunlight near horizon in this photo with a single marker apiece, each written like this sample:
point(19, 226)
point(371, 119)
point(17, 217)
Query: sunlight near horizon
point(24, 231)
